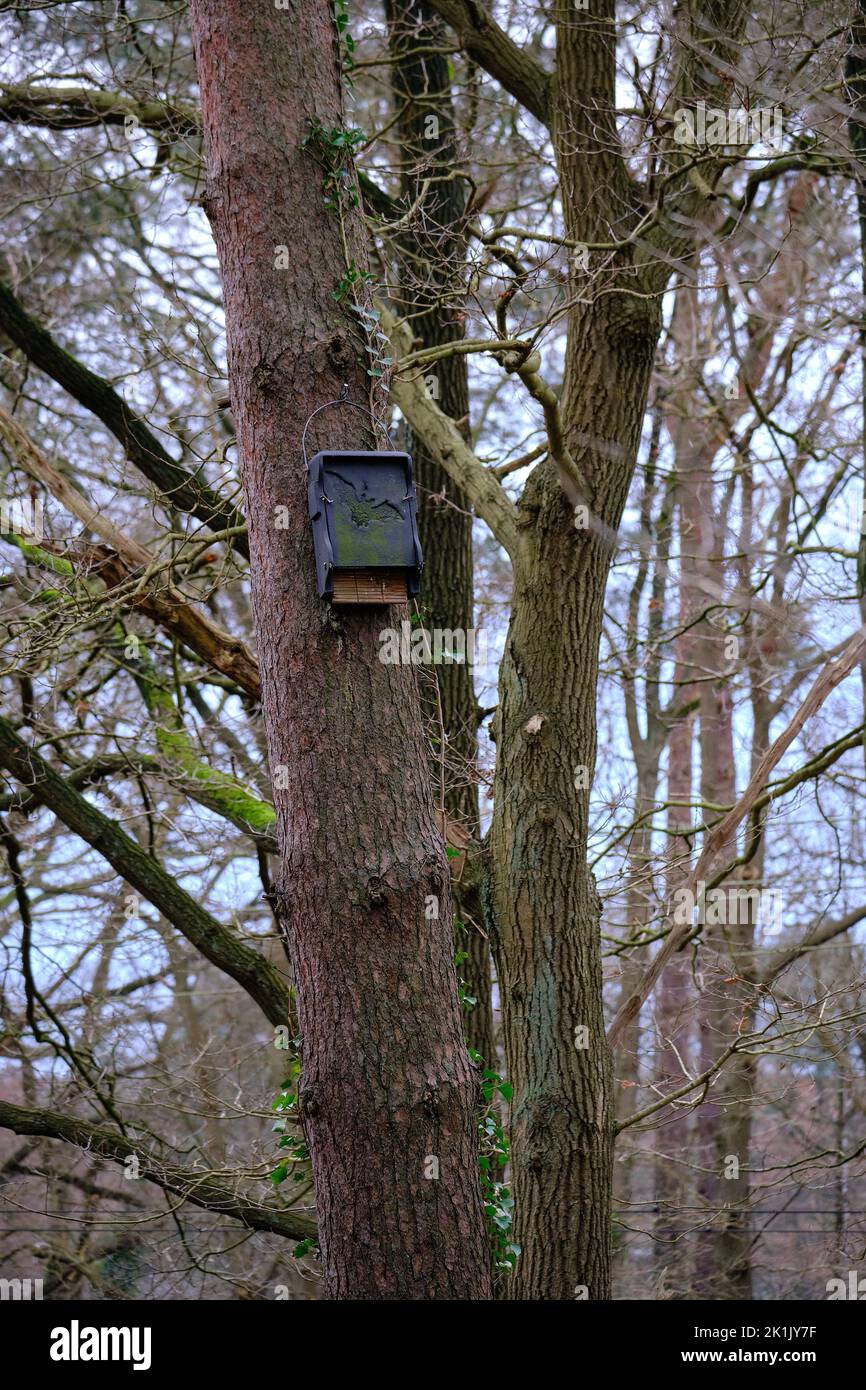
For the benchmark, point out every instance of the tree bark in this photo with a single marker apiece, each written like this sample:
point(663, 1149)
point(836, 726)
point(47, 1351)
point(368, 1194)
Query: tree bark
point(855, 81)
point(387, 1093)
point(432, 282)
point(544, 907)
point(672, 1012)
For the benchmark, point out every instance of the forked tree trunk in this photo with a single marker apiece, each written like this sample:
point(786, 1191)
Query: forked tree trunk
point(545, 906)
point(387, 1093)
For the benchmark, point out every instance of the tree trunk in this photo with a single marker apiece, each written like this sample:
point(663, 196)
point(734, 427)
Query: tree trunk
point(723, 1264)
point(545, 903)
point(673, 1016)
point(855, 81)
point(546, 907)
point(629, 1168)
point(387, 1094)
point(432, 281)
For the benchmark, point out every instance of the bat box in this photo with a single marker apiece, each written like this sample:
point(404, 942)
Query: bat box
point(365, 526)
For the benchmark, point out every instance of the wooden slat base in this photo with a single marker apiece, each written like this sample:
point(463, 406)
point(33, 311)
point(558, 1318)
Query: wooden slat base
point(370, 586)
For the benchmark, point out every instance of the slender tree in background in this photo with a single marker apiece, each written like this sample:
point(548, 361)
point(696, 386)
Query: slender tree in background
point(433, 259)
point(386, 1086)
point(855, 77)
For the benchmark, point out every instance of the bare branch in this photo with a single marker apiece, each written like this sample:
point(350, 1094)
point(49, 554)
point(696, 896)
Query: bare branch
point(494, 50)
point(833, 673)
point(180, 488)
point(217, 943)
point(200, 1188)
point(447, 445)
point(163, 602)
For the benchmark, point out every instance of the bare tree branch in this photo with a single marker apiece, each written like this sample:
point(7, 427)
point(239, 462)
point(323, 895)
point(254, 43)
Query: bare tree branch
point(832, 674)
point(493, 49)
point(447, 445)
point(200, 1188)
point(217, 943)
point(180, 488)
point(164, 602)
point(71, 108)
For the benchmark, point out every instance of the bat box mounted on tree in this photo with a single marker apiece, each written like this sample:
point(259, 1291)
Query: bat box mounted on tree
point(365, 527)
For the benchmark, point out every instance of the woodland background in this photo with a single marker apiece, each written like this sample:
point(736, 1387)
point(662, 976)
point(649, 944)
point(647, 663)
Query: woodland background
point(147, 1035)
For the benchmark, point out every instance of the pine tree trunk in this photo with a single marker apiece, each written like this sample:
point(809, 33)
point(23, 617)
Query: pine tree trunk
point(387, 1093)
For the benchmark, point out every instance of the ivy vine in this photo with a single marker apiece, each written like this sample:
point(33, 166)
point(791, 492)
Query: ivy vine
point(295, 1160)
point(493, 1148)
point(334, 150)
